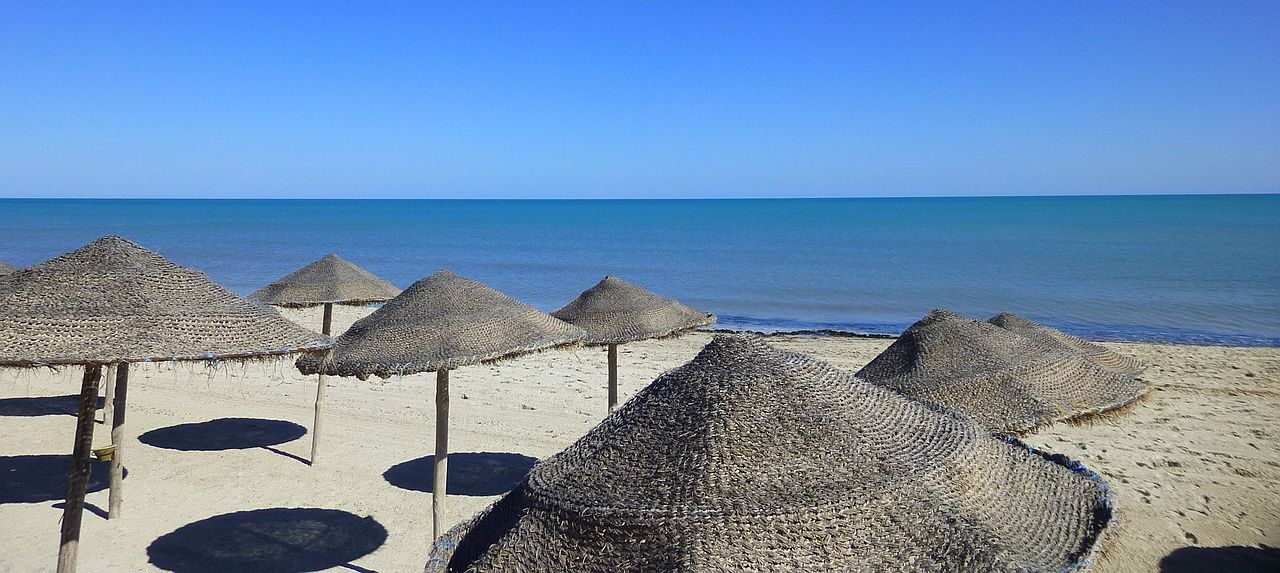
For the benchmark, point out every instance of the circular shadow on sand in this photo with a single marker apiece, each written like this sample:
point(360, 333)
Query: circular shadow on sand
point(470, 473)
point(277, 540)
point(43, 405)
point(31, 479)
point(224, 434)
point(1236, 559)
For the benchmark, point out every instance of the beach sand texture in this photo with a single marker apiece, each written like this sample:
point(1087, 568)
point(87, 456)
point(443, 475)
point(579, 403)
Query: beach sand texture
point(1194, 467)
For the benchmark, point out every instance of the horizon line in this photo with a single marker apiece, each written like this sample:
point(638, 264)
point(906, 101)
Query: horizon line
point(689, 198)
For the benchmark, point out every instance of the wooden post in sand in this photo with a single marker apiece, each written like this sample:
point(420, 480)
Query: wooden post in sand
point(613, 377)
point(315, 425)
point(438, 484)
point(117, 440)
point(78, 479)
point(107, 405)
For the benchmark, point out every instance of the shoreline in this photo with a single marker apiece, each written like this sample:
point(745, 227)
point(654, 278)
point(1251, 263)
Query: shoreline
point(1242, 341)
point(831, 332)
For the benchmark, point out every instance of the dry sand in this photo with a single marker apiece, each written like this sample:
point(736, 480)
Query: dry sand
point(1195, 466)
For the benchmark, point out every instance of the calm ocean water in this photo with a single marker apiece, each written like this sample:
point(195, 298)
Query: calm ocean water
point(1171, 268)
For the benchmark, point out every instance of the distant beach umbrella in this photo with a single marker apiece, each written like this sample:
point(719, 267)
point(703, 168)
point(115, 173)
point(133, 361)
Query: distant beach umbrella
point(1001, 379)
point(1105, 357)
point(111, 303)
point(615, 312)
point(749, 458)
point(440, 323)
point(6, 268)
point(328, 281)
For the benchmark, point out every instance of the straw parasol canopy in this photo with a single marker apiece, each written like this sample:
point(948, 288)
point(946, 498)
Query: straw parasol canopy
point(6, 268)
point(750, 458)
point(1104, 356)
point(113, 302)
point(1003, 380)
point(440, 323)
point(330, 280)
point(616, 311)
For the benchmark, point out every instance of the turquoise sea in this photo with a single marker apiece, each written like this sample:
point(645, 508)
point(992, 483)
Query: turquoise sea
point(1202, 269)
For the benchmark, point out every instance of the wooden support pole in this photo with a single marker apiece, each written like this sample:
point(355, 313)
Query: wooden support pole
point(438, 484)
point(78, 478)
point(117, 440)
point(613, 377)
point(315, 425)
point(107, 404)
point(320, 385)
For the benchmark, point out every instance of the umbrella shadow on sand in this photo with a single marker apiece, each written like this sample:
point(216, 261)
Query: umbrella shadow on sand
point(226, 434)
point(28, 406)
point(1237, 559)
point(37, 478)
point(470, 473)
point(276, 540)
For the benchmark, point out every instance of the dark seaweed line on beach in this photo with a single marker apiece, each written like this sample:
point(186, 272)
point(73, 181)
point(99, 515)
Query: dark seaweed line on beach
point(788, 327)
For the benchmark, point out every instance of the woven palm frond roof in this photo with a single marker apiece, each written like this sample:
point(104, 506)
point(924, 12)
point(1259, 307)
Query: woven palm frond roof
point(1104, 356)
point(442, 321)
point(998, 377)
point(749, 458)
point(330, 279)
point(616, 311)
point(6, 268)
point(114, 301)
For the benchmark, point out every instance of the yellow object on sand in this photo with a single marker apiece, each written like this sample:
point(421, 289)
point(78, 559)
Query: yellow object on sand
point(104, 454)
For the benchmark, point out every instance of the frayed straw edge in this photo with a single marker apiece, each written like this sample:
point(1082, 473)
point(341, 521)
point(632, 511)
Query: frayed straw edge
point(676, 332)
point(208, 358)
point(1084, 418)
point(296, 305)
point(1100, 416)
point(327, 363)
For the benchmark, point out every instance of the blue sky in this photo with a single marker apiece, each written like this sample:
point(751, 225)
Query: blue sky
point(646, 99)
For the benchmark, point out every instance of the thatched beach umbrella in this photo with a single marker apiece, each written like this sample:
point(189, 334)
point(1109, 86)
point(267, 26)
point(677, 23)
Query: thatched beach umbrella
point(440, 323)
point(750, 458)
point(112, 302)
point(6, 268)
point(615, 312)
point(1104, 356)
point(328, 281)
point(1005, 381)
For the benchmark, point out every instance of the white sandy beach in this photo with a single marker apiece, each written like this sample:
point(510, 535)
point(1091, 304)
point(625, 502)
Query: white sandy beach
point(1196, 465)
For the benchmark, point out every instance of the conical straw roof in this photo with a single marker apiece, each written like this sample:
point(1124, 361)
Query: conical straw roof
point(749, 458)
point(616, 311)
point(113, 301)
point(6, 268)
point(1004, 381)
point(331, 279)
point(441, 322)
point(1104, 356)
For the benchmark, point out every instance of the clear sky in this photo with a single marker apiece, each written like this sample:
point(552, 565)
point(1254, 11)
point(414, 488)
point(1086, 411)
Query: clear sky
point(641, 99)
